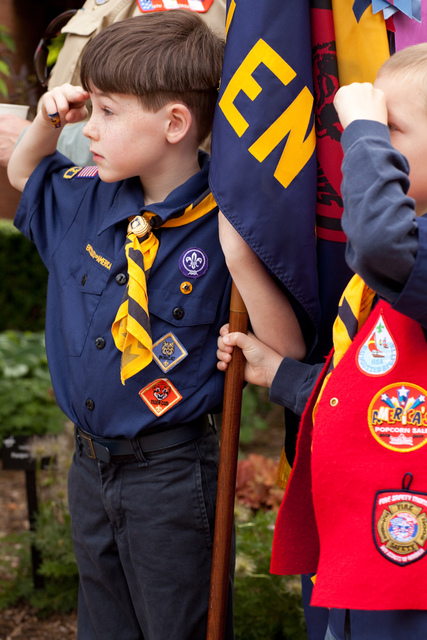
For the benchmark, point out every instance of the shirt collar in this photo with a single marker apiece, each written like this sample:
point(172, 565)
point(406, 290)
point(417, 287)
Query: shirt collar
point(129, 200)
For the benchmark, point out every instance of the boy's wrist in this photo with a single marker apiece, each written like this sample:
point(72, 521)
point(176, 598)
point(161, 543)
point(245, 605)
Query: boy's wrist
point(363, 129)
point(44, 124)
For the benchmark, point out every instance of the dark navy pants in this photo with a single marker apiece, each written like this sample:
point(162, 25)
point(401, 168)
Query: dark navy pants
point(142, 533)
point(377, 625)
point(361, 625)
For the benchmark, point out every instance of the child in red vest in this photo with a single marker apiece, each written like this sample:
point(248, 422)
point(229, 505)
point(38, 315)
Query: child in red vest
point(355, 509)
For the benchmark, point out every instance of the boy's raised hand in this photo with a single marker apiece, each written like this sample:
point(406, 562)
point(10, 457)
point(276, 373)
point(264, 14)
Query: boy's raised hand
point(261, 361)
point(360, 101)
point(64, 105)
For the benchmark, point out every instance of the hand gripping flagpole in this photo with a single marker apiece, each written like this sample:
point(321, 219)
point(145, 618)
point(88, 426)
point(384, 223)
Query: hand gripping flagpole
point(230, 429)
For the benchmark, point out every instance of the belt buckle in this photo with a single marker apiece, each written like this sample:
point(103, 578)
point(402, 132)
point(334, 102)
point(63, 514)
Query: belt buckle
point(92, 454)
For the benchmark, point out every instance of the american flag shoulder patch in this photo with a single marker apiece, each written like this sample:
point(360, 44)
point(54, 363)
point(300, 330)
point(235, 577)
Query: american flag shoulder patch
point(88, 172)
point(80, 172)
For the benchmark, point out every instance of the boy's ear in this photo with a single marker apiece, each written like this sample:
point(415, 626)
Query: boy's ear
point(180, 120)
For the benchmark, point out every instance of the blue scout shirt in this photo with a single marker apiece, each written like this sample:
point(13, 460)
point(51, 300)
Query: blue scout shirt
point(79, 227)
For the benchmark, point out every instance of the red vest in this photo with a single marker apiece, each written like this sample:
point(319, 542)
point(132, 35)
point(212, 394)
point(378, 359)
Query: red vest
point(355, 509)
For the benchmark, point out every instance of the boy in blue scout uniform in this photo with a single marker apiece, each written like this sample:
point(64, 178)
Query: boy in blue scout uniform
point(358, 489)
point(138, 379)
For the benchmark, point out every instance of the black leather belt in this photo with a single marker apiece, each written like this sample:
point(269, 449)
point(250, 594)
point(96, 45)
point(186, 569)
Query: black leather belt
point(106, 448)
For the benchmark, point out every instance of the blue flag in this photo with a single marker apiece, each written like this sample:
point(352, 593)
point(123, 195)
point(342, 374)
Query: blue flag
point(263, 172)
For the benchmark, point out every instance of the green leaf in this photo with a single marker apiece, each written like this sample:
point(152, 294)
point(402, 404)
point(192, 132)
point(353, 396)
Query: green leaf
point(3, 89)
point(4, 68)
point(7, 39)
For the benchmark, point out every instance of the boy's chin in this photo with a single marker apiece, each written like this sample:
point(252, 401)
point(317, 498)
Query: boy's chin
point(106, 176)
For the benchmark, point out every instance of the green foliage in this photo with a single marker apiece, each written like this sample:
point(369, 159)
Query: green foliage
point(24, 282)
point(52, 538)
point(254, 409)
point(7, 45)
point(16, 581)
point(265, 605)
point(27, 403)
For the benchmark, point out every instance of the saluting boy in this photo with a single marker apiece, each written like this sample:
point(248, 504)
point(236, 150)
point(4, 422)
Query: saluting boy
point(138, 290)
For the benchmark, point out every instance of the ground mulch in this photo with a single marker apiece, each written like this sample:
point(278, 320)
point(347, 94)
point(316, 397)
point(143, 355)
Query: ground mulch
point(22, 623)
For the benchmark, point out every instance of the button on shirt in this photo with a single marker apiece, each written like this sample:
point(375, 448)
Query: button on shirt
point(79, 227)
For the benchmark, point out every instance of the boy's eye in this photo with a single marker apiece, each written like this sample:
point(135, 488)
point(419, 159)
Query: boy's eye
point(107, 111)
point(391, 127)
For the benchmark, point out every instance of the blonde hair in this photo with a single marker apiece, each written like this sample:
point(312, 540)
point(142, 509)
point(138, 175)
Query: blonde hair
point(410, 62)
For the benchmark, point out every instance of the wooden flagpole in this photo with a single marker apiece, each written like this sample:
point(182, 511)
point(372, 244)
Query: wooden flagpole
point(227, 476)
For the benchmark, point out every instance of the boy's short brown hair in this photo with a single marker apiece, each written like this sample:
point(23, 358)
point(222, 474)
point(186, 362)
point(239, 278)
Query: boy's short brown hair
point(160, 57)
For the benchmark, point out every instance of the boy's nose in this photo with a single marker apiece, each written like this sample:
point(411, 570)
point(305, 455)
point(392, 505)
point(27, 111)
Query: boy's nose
point(88, 129)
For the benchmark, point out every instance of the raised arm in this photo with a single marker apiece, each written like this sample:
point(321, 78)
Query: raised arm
point(379, 216)
point(65, 104)
point(272, 318)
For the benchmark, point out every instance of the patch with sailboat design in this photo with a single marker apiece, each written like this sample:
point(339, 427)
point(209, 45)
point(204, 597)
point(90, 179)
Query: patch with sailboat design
point(378, 354)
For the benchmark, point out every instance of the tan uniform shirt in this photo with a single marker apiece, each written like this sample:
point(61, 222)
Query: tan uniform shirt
point(93, 18)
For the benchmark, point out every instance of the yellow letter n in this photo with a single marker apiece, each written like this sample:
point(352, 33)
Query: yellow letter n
point(293, 121)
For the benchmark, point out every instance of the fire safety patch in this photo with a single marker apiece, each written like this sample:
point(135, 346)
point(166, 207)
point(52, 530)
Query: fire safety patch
point(399, 524)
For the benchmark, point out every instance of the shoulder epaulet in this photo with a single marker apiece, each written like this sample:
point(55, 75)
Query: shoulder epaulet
point(81, 172)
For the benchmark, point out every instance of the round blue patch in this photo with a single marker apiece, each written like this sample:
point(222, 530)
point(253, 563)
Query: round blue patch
point(193, 263)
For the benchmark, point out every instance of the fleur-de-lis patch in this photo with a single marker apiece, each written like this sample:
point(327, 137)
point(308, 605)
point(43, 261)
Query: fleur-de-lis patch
point(193, 263)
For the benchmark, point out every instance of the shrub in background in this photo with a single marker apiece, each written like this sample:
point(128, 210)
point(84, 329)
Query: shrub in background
point(266, 606)
point(51, 537)
point(255, 409)
point(7, 47)
point(27, 403)
point(24, 282)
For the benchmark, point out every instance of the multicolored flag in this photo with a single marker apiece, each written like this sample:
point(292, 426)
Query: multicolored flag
point(267, 176)
point(408, 30)
point(349, 45)
point(276, 152)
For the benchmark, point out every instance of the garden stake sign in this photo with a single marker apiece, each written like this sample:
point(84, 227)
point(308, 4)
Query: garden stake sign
point(16, 456)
